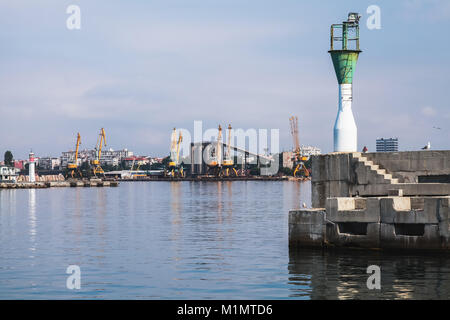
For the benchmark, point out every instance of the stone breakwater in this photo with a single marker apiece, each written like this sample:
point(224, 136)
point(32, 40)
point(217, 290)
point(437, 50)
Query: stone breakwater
point(376, 201)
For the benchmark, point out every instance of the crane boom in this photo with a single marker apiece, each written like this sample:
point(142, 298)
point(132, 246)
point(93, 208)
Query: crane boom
point(174, 168)
point(180, 139)
point(219, 147)
point(298, 158)
point(77, 148)
point(72, 167)
point(294, 132)
point(228, 156)
point(102, 142)
point(173, 146)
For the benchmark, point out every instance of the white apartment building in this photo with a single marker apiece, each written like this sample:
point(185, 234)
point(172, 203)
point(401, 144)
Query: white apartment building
point(49, 163)
point(108, 157)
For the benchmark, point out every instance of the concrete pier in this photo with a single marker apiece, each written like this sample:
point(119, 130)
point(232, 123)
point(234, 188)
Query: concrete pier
point(377, 201)
point(58, 184)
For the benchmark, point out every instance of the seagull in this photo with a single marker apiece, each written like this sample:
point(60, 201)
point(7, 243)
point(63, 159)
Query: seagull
point(427, 147)
point(437, 128)
point(304, 205)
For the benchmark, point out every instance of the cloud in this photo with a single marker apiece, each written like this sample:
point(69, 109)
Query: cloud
point(140, 68)
point(429, 10)
point(429, 111)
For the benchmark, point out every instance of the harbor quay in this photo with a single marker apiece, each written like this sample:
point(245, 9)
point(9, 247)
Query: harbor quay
point(390, 200)
point(59, 184)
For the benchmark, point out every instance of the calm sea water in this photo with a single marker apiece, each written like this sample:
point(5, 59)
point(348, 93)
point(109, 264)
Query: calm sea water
point(187, 240)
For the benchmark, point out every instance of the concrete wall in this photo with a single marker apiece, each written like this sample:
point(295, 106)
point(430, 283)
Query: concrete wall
point(407, 166)
point(384, 222)
point(374, 200)
point(332, 176)
point(343, 175)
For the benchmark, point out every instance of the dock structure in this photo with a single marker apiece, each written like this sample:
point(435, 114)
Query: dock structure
point(58, 184)
point(389, 200)
point(200, 156)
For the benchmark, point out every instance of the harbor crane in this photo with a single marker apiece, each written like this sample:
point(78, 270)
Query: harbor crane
point(134, 173)
point(227, 169)
point(175, 169)
point(215, 165)
point(298, 158)
point(101, 141)
point(73, 171)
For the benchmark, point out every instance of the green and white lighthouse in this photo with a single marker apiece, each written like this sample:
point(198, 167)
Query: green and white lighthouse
point(344, 51)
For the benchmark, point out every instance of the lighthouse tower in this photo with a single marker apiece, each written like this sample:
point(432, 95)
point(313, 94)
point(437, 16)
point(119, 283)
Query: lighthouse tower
point(31, 171)
point(344, 52)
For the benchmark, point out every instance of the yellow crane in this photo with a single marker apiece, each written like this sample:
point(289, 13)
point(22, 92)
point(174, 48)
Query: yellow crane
point(72, 168)
point(101, 141)
point(227, 168)
point(298, 158)
point(175, 169)
point(136, 174)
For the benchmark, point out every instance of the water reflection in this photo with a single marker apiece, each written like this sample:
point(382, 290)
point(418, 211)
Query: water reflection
point(341, 274)
point(176, 207)
point(32, 221)
point(190, 240)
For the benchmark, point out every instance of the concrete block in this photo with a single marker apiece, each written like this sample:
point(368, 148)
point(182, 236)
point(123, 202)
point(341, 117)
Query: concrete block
point(361, 173)
point(336, 167)
point(417, 203)
point(444, 208)
point(397, 165)
point(374, 178)
point(365, 235)
point(389, 207)
point(307, 216)
point(319, 192)
point(430, 210)
point(345, 210)
point(340, 204)
point(338, 189)
point(307, 227)
point(318, 168)
point(395, 192)
point(389, 238)
point(360, 203)
point(419, 210)
point(444, 219)
point(370, 190)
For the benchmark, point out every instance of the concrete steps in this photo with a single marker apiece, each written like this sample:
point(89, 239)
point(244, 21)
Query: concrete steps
point(376, 174)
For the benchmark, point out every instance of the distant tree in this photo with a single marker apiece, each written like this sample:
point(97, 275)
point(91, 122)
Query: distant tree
point(255, 171)
point(85, 166)
point(166, 161)
point(286, 171)
point(308, 163)
point(9, 158)
point(157, 166)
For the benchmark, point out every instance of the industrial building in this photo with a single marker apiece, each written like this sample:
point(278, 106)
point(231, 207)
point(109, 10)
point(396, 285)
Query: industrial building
point(287, 159)
point(387, 145)
point(49, 163)
point(305, 151)
point(203, 154)
point(8, 174)
point(108, 157)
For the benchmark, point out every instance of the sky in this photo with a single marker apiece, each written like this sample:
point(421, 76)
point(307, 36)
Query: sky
point(139, 68)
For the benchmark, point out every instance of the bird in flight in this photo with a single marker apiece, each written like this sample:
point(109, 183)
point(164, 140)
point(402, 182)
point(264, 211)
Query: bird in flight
point(437, 128)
